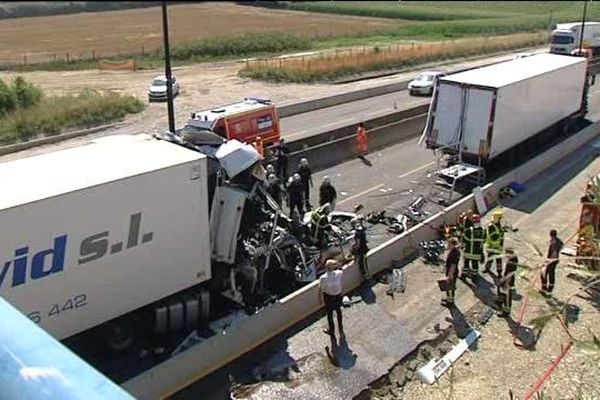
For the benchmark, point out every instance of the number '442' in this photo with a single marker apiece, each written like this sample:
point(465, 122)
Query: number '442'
point(75, 302)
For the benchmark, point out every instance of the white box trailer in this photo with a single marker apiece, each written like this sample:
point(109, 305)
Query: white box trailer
point(94, 232)
point(566, 37)
point(484, 112)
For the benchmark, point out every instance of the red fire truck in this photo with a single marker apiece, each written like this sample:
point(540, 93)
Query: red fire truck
point(244, 121)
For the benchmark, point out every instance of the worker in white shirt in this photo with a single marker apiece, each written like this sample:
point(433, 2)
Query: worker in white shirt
point(330, 285)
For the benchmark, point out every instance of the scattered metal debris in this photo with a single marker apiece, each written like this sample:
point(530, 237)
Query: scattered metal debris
point(431, 251)
point(397, 282)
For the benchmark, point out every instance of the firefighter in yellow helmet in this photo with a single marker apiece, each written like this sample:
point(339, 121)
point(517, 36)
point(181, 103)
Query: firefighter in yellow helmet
point(494, 242)
point(473, 240)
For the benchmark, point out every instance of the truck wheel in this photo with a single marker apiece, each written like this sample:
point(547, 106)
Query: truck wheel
point(119, 335)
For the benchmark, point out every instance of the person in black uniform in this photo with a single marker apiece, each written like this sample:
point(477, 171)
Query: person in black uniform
point(327, 193)
point(274, 189)
point(451, 270)
point(282, 160)
point(306, 179)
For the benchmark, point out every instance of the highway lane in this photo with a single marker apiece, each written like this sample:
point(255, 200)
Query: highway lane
point(326, 119)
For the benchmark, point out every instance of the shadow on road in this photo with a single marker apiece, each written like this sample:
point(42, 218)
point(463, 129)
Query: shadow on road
point(542, 188)
point(459, 322)
point(340, 353)
point(365, 161)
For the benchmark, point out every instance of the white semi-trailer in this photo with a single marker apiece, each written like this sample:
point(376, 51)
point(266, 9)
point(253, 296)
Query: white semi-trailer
point(567, 37)
point(487, 113)
point(94, 233)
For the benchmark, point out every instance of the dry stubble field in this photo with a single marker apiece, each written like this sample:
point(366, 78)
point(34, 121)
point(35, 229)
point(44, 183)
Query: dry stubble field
point(112, 32)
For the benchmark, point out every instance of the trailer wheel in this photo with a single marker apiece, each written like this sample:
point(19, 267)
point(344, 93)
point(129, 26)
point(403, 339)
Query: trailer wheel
point(119, 335)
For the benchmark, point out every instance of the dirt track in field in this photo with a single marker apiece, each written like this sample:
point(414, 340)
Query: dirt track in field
point(126, 31)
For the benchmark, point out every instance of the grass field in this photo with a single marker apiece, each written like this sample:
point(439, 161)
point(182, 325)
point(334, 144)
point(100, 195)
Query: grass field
point(37, 39)
point(434, 20)
point(217, 31)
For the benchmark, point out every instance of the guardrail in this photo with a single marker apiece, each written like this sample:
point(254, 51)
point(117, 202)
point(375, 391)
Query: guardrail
point(330, 101)
point(182, 370)
point(13, 148)
point(37, 366)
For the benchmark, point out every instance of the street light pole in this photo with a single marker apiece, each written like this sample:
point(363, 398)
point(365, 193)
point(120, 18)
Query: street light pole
point(582, 25)
point(168, 68)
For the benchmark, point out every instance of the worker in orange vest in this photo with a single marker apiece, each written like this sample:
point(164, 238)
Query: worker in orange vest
point(361, 140)
point(259, 146)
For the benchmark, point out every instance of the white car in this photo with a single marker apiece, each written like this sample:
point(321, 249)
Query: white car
point(158, 88)
point(424, 83)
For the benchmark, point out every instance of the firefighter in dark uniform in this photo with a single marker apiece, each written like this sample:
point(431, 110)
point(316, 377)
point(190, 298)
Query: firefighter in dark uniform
point(495, 242)
point(320, 228)
point(360, 248)
point(327, 193)
point(307, 182)
point(507, 283)
point(473, 239)
point(274, 189)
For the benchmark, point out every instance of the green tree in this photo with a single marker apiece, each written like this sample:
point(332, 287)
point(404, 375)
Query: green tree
point(8, 100)
point(26, 94)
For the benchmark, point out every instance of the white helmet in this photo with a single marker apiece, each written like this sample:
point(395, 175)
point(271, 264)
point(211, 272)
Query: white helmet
point(272, 178)
point(270, 169)
point(326, 179)
point(303, 161)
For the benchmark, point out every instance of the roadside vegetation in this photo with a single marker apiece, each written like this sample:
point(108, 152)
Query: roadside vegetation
point(25, 113)
point(334, 66)
point(417, 21)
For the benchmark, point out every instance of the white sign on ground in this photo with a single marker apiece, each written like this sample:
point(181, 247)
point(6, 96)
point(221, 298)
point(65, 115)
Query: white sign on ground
point(432, 371)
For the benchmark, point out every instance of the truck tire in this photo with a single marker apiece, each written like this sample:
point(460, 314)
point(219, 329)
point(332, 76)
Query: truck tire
point(118, 336)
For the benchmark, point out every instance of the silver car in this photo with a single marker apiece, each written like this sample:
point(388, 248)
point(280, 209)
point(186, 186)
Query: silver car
point(424, 82)
point(158, 88)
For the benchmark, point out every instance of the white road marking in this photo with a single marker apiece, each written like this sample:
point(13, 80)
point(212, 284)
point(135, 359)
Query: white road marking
point(339, 122)
point(360, 194)
point(404, 175)
point(293, 134)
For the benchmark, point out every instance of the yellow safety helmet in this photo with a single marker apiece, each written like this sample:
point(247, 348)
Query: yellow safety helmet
point(498, 214)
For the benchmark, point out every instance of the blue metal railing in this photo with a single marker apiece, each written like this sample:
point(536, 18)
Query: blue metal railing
point(33, 365)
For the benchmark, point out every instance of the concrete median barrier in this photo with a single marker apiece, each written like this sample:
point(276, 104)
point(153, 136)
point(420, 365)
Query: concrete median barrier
point(324, 102)
point(347, 130)
point(336, 150)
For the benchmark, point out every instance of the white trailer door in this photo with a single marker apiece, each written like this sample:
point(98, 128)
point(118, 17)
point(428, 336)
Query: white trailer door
point(477, 117)
point(446, 124)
